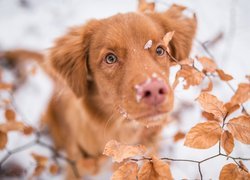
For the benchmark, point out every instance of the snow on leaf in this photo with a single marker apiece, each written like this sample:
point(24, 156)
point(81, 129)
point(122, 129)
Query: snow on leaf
point(119, 151)
point(191, 75)
point(3, 140)
point(229, 171)
point(227, 142)
point(155, 170)
point(12, 126)
point(128, 171)
point(207, 64)
point(211, 104)
point(168, 37)
point(203, 135)
point(242, 94)
point(223, 76)
point(10, 115)
point(240, 128)
point(148, 44)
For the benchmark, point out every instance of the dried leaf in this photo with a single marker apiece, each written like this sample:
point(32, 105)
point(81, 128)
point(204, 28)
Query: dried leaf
point(168, 37)
point(28, 130)
point(211, 104)
point(242, 166)
point(203, 135)
point(231, 107)
point(148, 44)
point(3, 140)
point(128, 171)
point(240, 128)
point(223, 76)
point(40, 159)
point(119, 151)
point(154, 170)
point(208, 64)
point(229, 171)
point(209, 87)
point(227, 142)
point(192, 76)
point(53, 169)
point(12, 126)
point(6, 86)
point(242, 94)
point(178, 136)
point(38, 170)
point(10, 115)
point(144, 6)
point(209, 116)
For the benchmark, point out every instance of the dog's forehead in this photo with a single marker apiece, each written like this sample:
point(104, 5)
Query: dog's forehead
point(126, 30)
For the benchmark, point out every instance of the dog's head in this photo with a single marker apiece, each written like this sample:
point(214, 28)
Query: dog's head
point(105, 62)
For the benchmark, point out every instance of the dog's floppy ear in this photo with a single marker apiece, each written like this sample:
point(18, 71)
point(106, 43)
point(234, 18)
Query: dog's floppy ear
point(69, 56)
point(184, 27)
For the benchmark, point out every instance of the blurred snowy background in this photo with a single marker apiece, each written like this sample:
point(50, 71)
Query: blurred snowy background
point(34, 25)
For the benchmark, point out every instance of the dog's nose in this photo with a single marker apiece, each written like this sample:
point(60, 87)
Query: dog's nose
point(152, 92)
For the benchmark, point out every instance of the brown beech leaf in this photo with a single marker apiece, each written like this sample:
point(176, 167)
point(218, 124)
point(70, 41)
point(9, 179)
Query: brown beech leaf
point(209, 87)
point(191, 76)
point(168, 37)
point(242, 94)
point(12, 126)
point(53, 169)
point(208, 64)
point(211, 104)
point(128, 171)
point(240, 128)
point(178, 136)
point(209, 116)
point(41, 162)
point(3, 140)
point(144, 6)
point(10, 115)
point(229, 171)
point(231, 107)
point(227, 142)
point(28, 130)
point(119, 151)
point(203, 135)
point(155, 170)
point(223, 76)
point(242, 166)
point(6, 86)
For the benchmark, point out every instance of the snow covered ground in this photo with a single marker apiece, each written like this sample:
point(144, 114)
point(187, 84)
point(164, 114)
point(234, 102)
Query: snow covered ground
point(36, 24)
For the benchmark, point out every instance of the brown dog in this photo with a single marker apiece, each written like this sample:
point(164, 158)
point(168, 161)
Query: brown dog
point(116, 86)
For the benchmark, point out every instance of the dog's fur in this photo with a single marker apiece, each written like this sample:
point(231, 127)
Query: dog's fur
point(100, 103)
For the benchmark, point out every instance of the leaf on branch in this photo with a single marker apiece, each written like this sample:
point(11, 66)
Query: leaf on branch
point(223, 76)
point(178, 136)
point(192, 76)
point(211, 104)
point(53, 169)
point(207, 64)
point(243, 167)
point(6, 86)
point(229, 171)
point(144, 6)
point(12, 126)
point(3, 140)
point(167, 38)
point(10, 115)
point(209, 87)
point(128, 171)
point(240, 128)
point(209, 116)
point(41, 162)
point(203, 135)
point(119, 151)
point(231, 107)
point(242, 94)
point(227, 142)
point(28, 130)
point(155, 170)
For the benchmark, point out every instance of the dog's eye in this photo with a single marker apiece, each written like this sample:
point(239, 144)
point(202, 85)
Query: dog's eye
point(160, 51)
point(110, 59)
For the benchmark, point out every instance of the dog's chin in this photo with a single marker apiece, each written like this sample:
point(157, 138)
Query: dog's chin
point(156, 119)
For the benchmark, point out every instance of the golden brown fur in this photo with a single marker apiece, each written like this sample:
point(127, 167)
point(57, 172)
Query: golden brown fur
point(98, 103)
